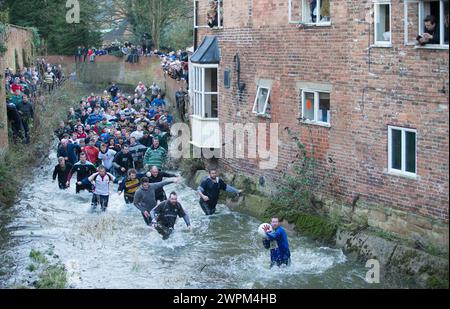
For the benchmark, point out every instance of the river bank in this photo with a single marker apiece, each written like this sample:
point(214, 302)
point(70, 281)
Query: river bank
point(21, 158)
point(117, 250)
point(396, 256)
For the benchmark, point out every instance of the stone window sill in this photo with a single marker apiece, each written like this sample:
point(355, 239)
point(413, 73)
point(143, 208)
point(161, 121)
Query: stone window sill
point(380, 45)
point(315, 123)
point(265, 116)
point(402, 174)
point(432, 46)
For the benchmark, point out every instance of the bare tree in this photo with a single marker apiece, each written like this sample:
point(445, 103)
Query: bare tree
point(150, 16)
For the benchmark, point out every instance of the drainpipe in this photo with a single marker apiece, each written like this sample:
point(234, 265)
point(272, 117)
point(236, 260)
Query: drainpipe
point(240, 86)
point(195, 25)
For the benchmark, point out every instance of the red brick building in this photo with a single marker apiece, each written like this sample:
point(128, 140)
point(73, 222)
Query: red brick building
point(348, 78)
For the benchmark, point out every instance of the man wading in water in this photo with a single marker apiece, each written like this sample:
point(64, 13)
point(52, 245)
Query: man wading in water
point(102, 183)
point(145, 199)
point(164, 216)
point(278, 244)
point(209, 191)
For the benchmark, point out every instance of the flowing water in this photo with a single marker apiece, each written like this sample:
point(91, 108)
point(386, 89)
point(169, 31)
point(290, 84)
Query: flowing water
point(117, 250)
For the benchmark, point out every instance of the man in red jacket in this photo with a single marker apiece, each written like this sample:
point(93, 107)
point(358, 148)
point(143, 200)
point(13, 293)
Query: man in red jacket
point(16, 86)
point(91, 151)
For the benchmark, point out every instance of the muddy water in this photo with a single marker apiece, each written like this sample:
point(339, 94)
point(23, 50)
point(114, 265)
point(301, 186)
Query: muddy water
point(117, 250)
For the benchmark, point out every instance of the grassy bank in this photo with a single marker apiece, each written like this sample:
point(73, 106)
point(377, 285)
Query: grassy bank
point(47, 270)
point(20, 158)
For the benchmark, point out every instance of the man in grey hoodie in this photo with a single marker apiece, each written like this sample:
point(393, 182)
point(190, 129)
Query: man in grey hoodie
point(144, 198)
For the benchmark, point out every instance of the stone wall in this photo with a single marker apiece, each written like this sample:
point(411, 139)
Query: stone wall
point(394, 255)
point(20, 51)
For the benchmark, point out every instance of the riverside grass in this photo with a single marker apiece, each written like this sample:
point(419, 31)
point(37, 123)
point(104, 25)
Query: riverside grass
point(49, 110)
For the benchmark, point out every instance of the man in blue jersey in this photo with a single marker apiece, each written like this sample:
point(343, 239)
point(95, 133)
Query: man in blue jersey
point(277, 242)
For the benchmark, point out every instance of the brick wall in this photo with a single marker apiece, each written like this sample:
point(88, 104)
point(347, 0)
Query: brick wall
point(371, 89)
point(18, 40)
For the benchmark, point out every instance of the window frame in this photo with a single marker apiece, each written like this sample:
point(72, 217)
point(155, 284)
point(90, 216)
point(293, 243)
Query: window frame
point(316, 107)
point(421, 16)
point(376, 7)
point(219, 16)
point(266, 103)
point(301, 17)
point(403, 171)
point(197, 90)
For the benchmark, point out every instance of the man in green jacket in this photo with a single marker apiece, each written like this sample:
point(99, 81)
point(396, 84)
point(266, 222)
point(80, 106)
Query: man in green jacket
point(155, 155)
point(162, 137)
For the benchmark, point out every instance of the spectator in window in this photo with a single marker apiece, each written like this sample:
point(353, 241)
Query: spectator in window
point(212, 14)
point(324, 10)
point(431, 32)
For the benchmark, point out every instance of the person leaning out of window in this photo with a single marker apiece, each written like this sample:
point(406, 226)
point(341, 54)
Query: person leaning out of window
point(212, 14)
point(431, 32)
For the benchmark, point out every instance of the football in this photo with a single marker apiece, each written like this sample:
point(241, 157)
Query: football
point(263, 228)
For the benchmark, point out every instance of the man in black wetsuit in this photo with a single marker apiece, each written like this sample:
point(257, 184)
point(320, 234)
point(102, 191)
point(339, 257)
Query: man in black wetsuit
point(164, 216)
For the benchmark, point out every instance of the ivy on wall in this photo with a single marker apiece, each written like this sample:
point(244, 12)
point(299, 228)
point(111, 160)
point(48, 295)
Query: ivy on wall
point(3, 47)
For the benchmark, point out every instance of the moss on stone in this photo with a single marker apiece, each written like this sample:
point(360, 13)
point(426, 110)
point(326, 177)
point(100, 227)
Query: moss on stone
point(437, 277)
point(316, 227)
point(436, 282)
